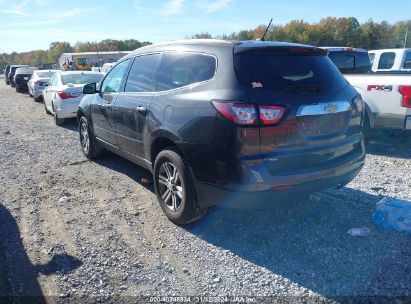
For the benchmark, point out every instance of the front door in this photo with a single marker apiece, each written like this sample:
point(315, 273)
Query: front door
point(102, 108)
point(132, 106)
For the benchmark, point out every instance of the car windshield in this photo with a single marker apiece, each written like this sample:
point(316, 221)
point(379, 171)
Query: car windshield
point(81, 78)
point(45, 74)
point(284, 71)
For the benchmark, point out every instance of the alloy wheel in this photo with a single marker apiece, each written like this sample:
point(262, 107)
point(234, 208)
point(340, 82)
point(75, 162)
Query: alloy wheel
point(170, 186)
point(84, 137)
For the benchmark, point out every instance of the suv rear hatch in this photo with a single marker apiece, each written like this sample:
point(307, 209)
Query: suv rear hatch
point(320, 124)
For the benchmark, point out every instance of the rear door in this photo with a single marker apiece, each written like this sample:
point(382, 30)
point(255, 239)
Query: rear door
point(102, 111)
point(133, 105)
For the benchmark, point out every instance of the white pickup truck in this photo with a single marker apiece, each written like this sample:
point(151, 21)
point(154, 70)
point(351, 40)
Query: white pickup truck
point(390, 60)
point(387, 96)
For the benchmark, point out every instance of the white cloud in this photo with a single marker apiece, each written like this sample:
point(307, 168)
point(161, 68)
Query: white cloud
point(39, 22)
point(75, 11)
point(137, 5)
point(216, 5)
point(15, 12)
point(173, 7)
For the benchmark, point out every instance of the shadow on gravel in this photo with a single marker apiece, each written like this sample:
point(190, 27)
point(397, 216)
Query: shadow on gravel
point(18, 276)
point(123, 166)
point(390, 143)
point(71, 124)
point(307, 242)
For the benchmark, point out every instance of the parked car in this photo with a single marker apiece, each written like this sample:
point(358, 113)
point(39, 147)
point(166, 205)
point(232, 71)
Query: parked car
point(387, 95)
point(38, 82)
point(64, 92)
point(10, 75)
point(6, 72)
point(233, 123)
point(107, 67)
point(390, 60)
point(22, 77)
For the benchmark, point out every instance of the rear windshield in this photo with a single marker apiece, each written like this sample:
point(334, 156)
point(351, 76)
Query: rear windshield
point(288, 71)
point(351, 62)
point(81, 78)
point(45, 74)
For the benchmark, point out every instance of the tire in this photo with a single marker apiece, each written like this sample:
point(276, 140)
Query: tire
point(176, 193)
point(40, 99)
point(7, 82)
point(58, 121)
point(18, 89)
point(88, 142)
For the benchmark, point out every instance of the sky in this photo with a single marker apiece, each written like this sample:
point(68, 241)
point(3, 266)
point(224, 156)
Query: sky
point(27, 25)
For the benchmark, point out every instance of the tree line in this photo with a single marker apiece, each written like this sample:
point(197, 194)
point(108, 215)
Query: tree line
point(51, 55)
point(330, 31)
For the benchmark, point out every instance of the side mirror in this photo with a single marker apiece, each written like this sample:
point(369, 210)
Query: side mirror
point(90, 89)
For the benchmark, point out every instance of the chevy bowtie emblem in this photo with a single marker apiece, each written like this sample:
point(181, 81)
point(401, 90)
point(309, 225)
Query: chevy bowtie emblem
point(330, 108)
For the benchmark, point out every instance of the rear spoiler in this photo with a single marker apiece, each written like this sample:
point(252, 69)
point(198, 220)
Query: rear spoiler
point(283, 49)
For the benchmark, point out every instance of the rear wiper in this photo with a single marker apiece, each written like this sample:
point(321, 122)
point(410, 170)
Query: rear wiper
point(306, 88)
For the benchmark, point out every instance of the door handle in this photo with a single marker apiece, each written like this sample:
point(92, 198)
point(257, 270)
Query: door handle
point(141, 109)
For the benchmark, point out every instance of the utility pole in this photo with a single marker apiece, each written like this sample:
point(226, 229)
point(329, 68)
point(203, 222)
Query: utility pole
point(406, 36)
point(98, 55)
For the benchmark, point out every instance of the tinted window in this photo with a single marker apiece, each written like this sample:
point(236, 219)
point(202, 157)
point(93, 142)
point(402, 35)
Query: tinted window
point(181, 69)
point(141, 76)
point(81, 78)
point(287, 71)
point(351, 62)
point(112, 82)
point(407, 61)
point(386, 60)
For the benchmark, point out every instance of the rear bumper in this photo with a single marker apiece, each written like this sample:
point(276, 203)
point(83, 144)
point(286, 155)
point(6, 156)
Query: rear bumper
point(37, 92)
point(67, 109)
point(22, 85)
point(269, 189)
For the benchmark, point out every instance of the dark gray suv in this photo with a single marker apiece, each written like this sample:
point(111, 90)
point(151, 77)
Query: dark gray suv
point(236, 123)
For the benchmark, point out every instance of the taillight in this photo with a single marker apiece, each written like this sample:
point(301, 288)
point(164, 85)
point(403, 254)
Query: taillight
point(406, 96)
point(239, 113)
point(270, 115)
point(65, 95)
point(246, 114)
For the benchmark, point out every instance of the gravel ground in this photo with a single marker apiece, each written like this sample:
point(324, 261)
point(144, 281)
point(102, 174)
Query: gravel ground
point(108, 238)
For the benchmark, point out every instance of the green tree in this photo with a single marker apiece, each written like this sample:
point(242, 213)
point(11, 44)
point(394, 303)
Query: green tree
point(58, 48)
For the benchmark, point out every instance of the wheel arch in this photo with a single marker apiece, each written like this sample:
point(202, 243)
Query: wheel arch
point(163, 139)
